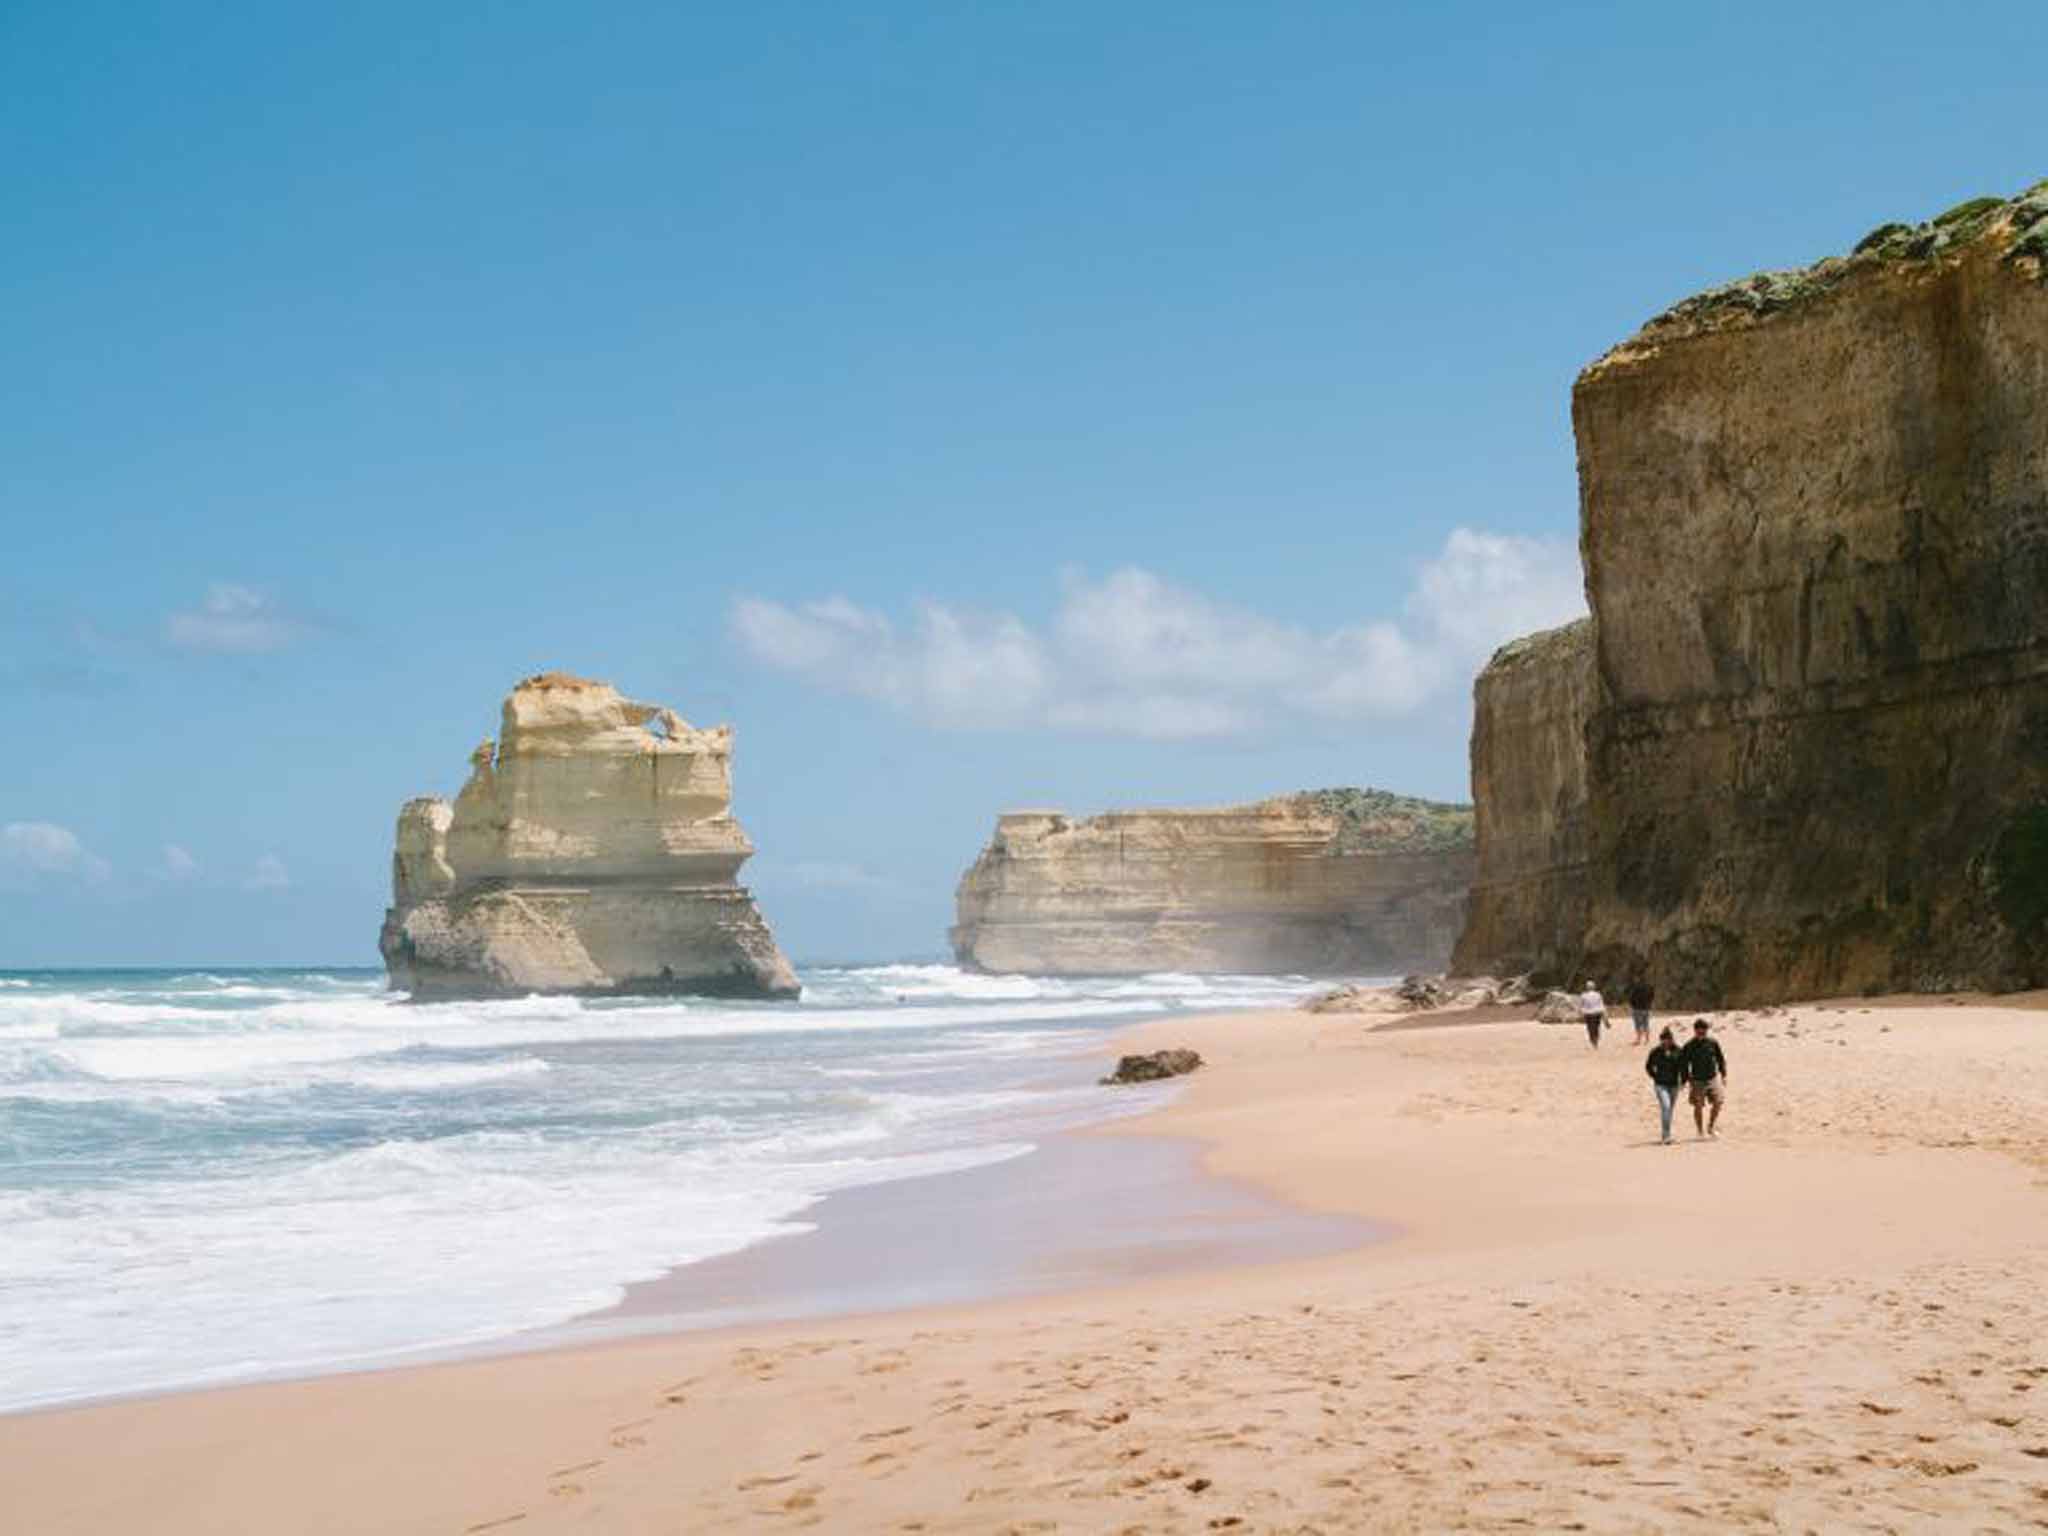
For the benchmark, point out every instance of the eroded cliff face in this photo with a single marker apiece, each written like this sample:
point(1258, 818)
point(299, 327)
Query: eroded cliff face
point(1328, 883)
point(1528, 909)
point(592, 850)
point(1814, 518)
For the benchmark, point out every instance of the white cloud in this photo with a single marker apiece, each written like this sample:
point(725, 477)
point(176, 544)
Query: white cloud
point(234, 621)
point(177, 864)
point(962, 667)
point(268, 875)
point(34, 848)
point(1487, 588)
point(1134, 655)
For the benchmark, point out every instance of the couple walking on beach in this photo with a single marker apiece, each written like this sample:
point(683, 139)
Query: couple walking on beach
point(1700, 1064)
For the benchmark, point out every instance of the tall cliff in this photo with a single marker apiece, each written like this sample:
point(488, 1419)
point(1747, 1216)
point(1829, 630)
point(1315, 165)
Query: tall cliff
point(592, 850)
point(1814, 520)
point(1530, 707)
point(1330, 882)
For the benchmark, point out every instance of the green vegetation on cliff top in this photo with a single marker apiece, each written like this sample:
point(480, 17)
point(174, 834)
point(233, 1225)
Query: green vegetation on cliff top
point(1379, 821)
point(2023, 218)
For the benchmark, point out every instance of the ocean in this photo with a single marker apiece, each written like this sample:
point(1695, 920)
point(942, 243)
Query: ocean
point(208, 1176)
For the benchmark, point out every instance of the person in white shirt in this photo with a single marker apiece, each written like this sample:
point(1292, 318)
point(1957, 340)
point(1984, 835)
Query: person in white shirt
point(1593, 1013)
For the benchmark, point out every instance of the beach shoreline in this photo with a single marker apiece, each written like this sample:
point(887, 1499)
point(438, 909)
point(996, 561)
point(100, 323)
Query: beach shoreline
point(1544, 1243)
point(359, 1183)
point(829, 1265)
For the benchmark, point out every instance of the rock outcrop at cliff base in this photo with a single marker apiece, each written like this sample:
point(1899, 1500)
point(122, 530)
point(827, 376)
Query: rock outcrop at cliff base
point(1814, 734)
point(592, 850)
point(1330, 882)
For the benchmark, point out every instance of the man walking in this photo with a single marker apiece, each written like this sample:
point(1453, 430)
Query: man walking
point(1640, 996)
point(1592, 1013)
point(1706, 1070)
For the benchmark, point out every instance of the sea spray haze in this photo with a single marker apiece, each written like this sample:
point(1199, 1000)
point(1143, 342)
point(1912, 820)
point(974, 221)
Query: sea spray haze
point(210, 1176)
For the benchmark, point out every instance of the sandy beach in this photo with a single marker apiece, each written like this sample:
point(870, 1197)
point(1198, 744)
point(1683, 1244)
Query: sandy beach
point(1831, 1319)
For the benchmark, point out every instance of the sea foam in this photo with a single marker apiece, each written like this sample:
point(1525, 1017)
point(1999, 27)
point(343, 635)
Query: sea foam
point(210, 1175)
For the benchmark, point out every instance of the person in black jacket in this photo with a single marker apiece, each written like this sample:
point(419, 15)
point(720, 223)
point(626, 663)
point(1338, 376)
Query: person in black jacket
point(1706, 1069)
point(1640, 995)
point(1666, 1066)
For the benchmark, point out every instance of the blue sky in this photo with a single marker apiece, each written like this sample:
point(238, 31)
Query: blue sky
point(975, 405)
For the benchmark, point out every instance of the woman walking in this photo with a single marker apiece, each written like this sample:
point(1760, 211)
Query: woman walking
point(1592, 1013)
point(1666, 1066)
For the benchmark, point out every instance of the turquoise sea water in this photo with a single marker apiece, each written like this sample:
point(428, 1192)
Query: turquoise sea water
point(210, 1175)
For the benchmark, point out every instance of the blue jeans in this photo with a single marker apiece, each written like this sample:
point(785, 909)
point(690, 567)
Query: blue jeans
point(1667, 1100)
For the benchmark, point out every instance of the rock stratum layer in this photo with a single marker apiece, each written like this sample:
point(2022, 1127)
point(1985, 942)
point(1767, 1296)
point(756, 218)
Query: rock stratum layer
point(1813, 693)
point(1332, 882)
point(592, 850)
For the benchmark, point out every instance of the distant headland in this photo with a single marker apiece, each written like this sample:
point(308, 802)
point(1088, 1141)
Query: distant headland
point(1329, 882)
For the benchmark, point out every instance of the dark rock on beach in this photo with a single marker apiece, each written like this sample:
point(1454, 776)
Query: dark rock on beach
point(1154, 1065)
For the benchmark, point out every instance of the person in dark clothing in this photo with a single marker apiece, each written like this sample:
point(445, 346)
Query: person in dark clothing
point(1666, 1066)
point(1640, 995)
point(1706, 1070)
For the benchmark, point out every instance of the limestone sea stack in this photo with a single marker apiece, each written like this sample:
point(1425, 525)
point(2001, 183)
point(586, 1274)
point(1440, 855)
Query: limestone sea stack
point(1814, 687)
point(1331, 882)
point(592, 850)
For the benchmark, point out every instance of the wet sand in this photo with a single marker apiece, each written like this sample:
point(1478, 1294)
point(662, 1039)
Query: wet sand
point(1081, 1211)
